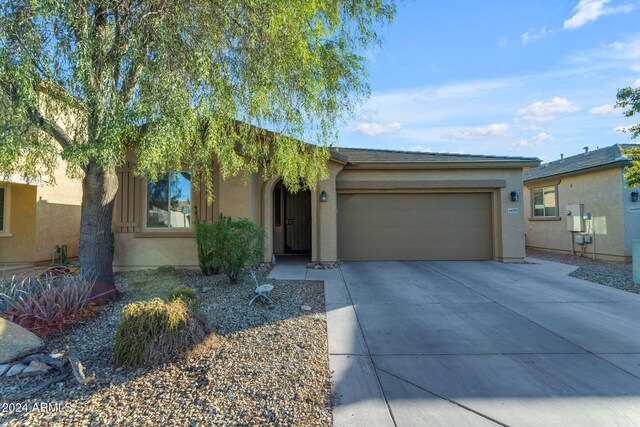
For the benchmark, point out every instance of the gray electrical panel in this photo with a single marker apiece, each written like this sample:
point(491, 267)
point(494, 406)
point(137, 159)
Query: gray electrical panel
point(583, 240)
point(574, 214)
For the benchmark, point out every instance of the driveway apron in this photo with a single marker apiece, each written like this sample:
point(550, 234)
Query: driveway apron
point(475, 343)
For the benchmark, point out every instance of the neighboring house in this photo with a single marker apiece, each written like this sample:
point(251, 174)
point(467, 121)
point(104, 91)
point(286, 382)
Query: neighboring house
point(580, 204)
point(375, 205)
point(36, 219)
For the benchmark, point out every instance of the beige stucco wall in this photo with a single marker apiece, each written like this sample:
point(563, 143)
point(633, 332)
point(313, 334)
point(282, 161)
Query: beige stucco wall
point(238, 197)
point(601, 194)
point(508, 233)
point(250, 197)
point(133, 252)
point(327, 213)
point(58, 215)
point(17, 245)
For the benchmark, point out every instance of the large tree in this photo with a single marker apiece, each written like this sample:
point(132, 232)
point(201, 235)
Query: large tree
point(629, 98)
point(176, 82)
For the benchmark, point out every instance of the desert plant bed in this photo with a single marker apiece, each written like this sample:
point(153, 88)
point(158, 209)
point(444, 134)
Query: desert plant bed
point(614, 274)
point(263, 366)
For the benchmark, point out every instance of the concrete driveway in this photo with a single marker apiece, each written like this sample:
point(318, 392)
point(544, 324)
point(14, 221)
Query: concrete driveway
point(474, 343)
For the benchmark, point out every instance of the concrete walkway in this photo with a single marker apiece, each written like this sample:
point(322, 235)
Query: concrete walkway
point(475, 343)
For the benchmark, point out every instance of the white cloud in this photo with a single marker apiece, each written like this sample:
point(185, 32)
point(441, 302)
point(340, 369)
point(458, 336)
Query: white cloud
point(503, 41)
point(542, 137)
point(636, 84)
point(496, 129)
point(635, 67)
point(535, 141)
point(621, 129)
point(421, 149)
point(546, 111)
point(590, 10)
point(369, 124)
point(604, 110)
point(376, 128)
point(535, 35)
point(623, 53)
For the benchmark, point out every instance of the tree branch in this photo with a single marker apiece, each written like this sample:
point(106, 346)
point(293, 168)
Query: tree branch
point(130, 82)
point(51, 128)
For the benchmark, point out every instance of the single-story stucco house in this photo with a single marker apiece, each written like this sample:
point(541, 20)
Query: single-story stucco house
point(374, 205)
point(580, 204)
point(37, 220)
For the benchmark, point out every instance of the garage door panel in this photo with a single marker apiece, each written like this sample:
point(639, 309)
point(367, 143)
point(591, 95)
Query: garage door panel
point(414, 226)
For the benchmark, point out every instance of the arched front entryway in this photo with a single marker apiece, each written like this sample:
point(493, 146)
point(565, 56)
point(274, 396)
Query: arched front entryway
point(291, 221)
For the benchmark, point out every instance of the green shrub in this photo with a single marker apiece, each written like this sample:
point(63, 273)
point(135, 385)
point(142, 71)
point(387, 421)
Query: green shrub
point(154, 331)
point(229, 245)
point(187, 295)
point(205, 243)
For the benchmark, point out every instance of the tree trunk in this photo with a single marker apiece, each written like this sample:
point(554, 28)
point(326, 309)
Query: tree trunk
point(99, 189)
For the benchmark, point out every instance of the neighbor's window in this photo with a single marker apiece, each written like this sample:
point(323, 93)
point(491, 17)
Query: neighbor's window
point(544, 202)
point(169, 201)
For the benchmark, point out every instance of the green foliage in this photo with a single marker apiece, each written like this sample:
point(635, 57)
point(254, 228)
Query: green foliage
point(209, 264)
point(178, 82)
point(185, 294)
point(632, 174)
point(630, 98)
point(231, 244)
point(153, 331)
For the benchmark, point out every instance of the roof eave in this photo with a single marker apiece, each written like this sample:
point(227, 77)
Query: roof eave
point(477, 164)
point(610, 165)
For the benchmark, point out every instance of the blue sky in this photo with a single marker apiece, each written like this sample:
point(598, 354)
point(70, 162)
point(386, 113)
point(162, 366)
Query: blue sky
point(522, 78)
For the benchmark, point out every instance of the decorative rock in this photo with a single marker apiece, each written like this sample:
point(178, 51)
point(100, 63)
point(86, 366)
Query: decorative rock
point(4, 368)
point(206, 289)
point(317, 267)
point(305, 308)
point(36, 367)
point(16, 341)
point(16, 369)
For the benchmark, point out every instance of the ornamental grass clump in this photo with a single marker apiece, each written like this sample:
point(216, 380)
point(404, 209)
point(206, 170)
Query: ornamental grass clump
point(155, 331)
point(46, 303)
point(185, 294)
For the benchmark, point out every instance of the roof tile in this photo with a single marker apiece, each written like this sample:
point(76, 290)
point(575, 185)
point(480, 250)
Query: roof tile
point(604, 156)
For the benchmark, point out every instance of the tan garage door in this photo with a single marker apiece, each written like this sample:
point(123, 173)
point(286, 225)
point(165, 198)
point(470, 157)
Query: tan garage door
point(414, 226)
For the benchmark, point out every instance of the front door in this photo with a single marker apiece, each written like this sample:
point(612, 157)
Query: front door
point(298, 222)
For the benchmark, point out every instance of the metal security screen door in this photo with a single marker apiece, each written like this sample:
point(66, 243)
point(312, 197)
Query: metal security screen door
point(298, 222)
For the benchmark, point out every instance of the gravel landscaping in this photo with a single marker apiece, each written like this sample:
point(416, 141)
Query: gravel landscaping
point(263, 367)
point(614, 274)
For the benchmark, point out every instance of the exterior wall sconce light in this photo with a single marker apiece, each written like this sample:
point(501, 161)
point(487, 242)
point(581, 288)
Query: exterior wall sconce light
point(324, 197)
point(634, 196)
point(514, 196)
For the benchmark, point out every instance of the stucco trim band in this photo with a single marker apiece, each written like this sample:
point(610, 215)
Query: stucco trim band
point(420, 184)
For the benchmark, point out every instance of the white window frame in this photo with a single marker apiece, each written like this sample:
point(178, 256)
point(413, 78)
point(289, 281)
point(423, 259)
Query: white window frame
point(5, 231)
point(533, 202)
point(169, 229)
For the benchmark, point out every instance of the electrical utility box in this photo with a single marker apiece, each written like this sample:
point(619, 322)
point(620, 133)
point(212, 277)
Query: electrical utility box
point(574, 213)
point(583, 240)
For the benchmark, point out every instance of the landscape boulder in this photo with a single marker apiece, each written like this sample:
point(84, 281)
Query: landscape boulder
point(16, 341)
